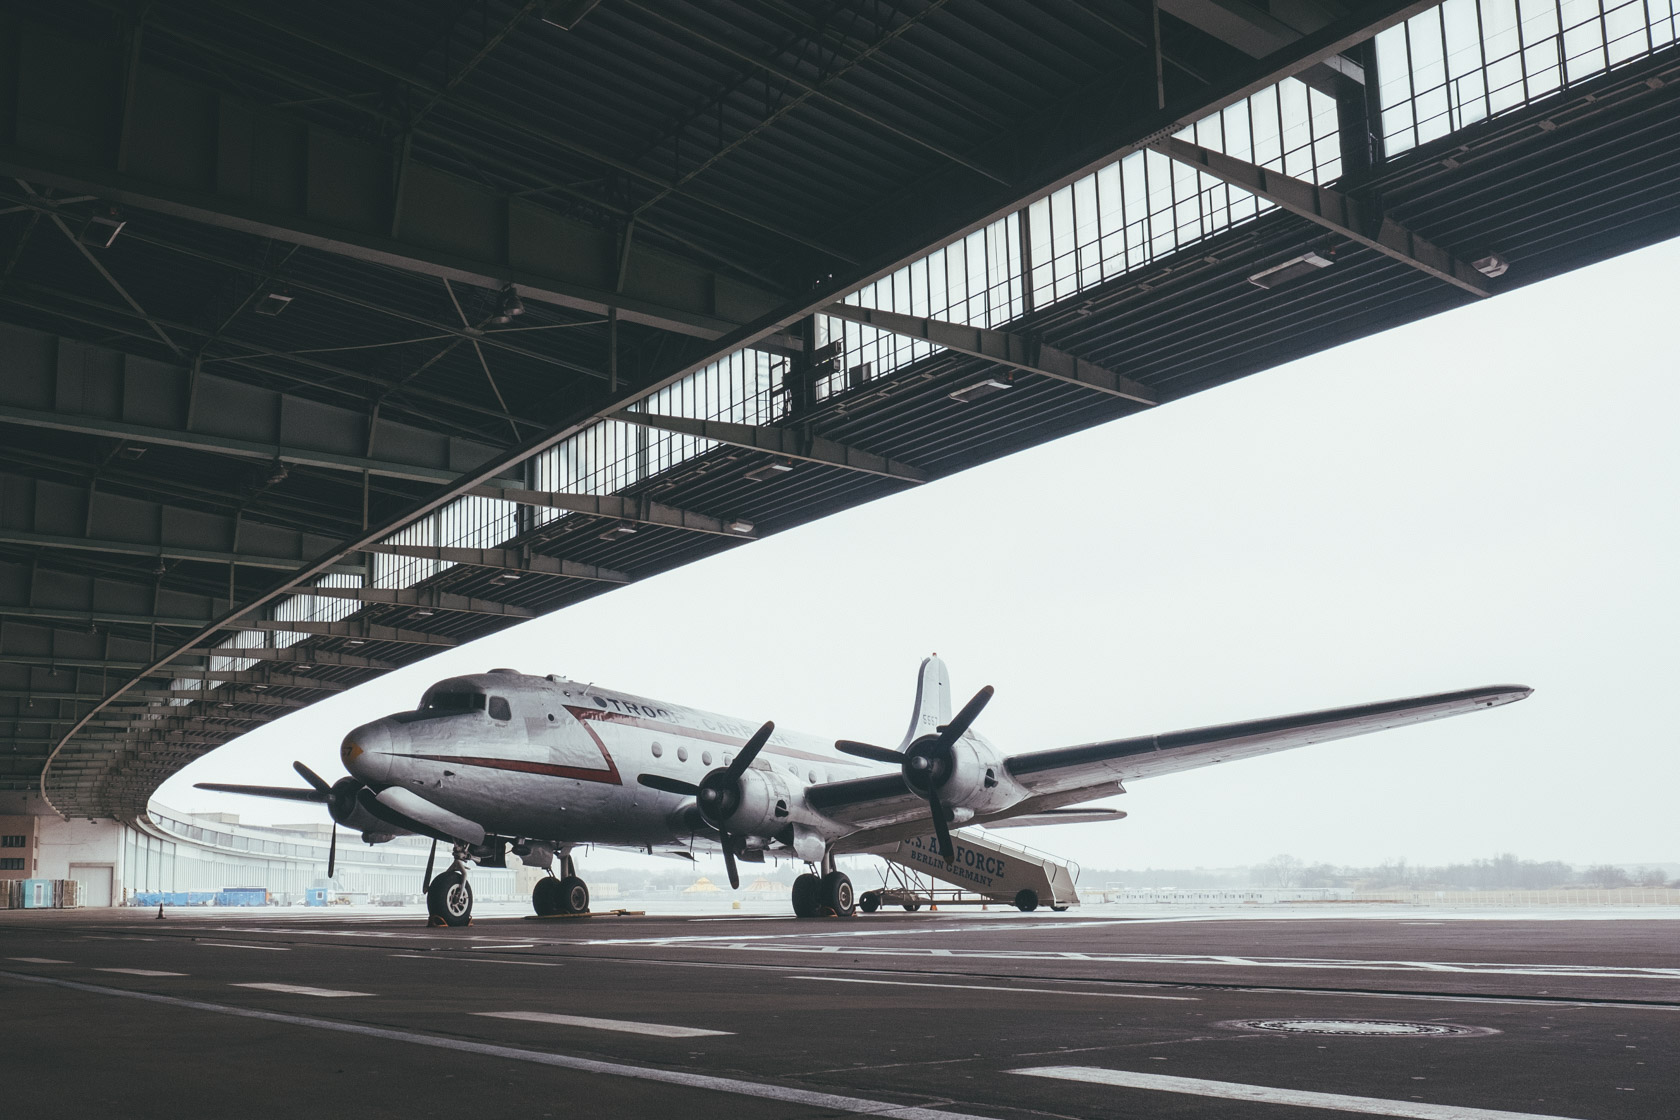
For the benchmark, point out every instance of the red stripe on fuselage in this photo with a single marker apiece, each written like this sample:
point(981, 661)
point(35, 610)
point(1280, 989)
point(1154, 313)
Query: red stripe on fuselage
point(609, 776)
point(585, 715)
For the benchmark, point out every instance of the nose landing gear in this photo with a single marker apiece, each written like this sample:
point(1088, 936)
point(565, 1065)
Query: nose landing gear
point(449, 897)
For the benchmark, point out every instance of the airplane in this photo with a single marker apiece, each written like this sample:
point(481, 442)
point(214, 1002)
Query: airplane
point(537, 765)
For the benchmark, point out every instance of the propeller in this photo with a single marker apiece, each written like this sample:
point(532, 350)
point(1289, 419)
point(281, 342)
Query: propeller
point(431, 861)
point(332, 851)
point(927, 763)
point(719, 793)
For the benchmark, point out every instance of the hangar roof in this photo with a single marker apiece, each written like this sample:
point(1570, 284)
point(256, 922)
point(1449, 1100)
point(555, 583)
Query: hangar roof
point(338, 334)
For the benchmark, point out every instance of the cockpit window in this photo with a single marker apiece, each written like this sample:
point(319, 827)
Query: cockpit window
point(452, 701)
point(499, 708)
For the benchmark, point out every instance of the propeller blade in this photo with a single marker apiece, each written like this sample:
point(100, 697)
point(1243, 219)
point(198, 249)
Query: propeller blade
point(750, 751)
point(668, 785)
point(873, 753)
point(946, 848)
point(332, 852)
point(729, 862)
point(431, 861)
point(285, 793)
point(951, 732)
point(311, 777)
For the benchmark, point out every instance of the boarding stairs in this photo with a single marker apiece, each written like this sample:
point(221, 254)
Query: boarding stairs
point(987, 869)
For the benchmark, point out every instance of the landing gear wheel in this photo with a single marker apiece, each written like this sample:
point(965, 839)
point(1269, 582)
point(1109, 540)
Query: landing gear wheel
point(870, 902)
point(546, 897)
point(1059, 909)
point(911, 907)
point(450, 899)
point(807, 896)
point(837, 894)
point(1026, 901)
point(574, 895)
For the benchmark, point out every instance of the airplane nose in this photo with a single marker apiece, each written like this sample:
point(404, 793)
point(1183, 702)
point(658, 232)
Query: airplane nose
point(366, 752)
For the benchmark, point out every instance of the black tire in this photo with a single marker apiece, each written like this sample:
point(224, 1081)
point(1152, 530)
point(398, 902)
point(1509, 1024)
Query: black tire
point(837, 894)
point(912, 907)
point(1026, 901)
point(574, 895)
point(1059, 909)
point(450, 899)
point(546, 896)
point(807, 896)
point(870, 902)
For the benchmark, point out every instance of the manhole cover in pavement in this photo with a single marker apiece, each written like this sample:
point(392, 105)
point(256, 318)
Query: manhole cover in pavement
point(1364, 1028)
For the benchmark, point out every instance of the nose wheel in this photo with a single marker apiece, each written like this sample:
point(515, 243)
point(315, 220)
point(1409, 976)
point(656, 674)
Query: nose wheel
point(449, 900)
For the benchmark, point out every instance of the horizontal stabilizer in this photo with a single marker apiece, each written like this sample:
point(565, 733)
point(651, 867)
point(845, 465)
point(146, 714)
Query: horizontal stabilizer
point(284, 793)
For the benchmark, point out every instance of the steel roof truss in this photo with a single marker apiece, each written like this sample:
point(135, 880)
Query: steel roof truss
point(787, 443)
point(506, 559)
point(1008, 348)
point(639, 509)
point(1333, 210)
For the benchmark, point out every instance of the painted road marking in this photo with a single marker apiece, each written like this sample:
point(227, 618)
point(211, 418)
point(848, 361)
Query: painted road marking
point(37, 960)
point(234, 945)
point(993, 988)
point(660, 1030)
point(140, 971)
point(302, 990)
point(1235, 1091)
point(475, 960)
point(760, 1090)
point(1578, 972)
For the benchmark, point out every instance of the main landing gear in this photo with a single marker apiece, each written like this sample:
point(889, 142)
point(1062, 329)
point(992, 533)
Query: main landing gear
point(827, 893)
point(449, 897)
point(565, 894)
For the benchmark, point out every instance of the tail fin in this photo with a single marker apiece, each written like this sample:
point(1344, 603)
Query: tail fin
point(933, 700)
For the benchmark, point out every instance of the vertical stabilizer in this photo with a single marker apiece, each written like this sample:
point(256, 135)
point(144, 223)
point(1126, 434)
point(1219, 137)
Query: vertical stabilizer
point(933, 700)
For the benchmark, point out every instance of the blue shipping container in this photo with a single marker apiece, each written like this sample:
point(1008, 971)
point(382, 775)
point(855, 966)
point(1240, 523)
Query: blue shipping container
point(40, 894)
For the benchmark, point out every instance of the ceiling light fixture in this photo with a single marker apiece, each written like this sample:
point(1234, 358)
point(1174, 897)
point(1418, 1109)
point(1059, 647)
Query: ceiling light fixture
point(773, 469)
point(100, 231)
point(272, 303)
point(740, 525)
point(1291, 270)
point(509, 306)
point(970, 393)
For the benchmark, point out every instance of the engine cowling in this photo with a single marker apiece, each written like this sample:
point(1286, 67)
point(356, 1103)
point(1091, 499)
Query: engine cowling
point(759, 803)
point(349, 805)
point(971, 776)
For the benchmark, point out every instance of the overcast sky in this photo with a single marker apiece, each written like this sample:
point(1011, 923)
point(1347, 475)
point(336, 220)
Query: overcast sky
point(1485, 497)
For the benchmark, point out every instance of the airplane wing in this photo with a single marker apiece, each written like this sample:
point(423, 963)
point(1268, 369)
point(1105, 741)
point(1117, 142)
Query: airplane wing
point(880, 807)
point(1149, 756)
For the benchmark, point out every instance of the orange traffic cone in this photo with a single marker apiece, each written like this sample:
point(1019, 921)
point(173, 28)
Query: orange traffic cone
point(160, 912)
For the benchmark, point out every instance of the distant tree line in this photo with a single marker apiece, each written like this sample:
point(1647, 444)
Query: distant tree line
point(1503, 872)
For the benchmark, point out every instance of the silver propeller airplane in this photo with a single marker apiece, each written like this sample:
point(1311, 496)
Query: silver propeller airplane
point(503, 760)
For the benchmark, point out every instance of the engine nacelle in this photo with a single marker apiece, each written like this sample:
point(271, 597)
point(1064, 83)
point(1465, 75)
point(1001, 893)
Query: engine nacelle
point(766, 807)
point(972, 779)
point(349, 807)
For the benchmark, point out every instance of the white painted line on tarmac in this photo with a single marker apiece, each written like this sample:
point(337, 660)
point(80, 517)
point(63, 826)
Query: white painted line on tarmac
point(302, 990)
point(37, 960)
point(1265, 1094)
point(760, 1090)
point(625, 1026)
point(475, 960)
point(518, 945)
point(236, 945)
point(993, 988)
point(140, 971)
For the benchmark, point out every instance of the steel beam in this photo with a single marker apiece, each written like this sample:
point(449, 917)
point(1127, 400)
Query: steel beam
point(240, 696)
point(252, 678)
point(506, 559)
point(55, 515)
point(1007, 348)
point(639, 509)
point(1259, 33)
point(423, 598)
point(294, 655)
point(197, 153)
point(788, 443)
point(355, 629)
point(102, 392)
point(1333, 210)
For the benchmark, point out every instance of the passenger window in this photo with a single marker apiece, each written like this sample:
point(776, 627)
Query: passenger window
point(682, 754)
point(499, 708)
point(658, 750)
point(705, 758)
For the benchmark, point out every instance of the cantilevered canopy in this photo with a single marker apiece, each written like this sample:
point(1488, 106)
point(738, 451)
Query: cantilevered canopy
point(335, 334)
